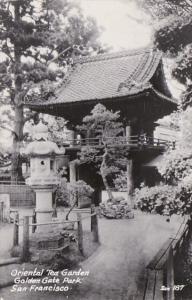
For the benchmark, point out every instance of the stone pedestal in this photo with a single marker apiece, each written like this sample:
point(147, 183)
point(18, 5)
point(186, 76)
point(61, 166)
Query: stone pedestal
point(44, 209)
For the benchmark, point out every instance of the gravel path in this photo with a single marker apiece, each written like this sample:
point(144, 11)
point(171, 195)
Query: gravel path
point(117, 268)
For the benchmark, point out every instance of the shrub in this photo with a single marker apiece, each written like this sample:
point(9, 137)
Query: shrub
point(64, 192)
point(61, 194)
point(81, 189)
point(166, 199)
point(158, 199)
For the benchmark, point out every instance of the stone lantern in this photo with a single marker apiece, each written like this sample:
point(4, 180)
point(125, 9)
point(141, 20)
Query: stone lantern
point(43, 177)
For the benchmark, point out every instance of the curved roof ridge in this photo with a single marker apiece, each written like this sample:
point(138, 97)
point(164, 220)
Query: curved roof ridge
point(150, 67)
point(114, 55)
point(144, 71)
point(109, 75)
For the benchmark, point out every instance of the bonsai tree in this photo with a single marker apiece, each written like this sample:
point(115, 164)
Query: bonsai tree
point(110, 153)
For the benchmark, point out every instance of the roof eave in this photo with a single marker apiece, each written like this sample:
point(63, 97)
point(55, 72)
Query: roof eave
point(125, 96)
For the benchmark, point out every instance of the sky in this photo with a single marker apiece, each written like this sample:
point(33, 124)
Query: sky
point(122, 22)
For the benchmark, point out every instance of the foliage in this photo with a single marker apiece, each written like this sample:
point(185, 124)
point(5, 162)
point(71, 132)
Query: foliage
point(177, 163)
point(37, 42)
point(33, 39)
point(158, 199)
point(80, 189)
point(120, 181)
point(166, 199)
point(176, 167)
point(172, 22)
point(67, 192)
point(61, 194)
point(103, 125)
point(57, 128)
point(172, 35)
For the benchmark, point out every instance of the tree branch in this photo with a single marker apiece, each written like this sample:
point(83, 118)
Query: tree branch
point(61, 53)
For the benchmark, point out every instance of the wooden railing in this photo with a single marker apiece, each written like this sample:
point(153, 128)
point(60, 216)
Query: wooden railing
point(134, 141)
point(8, 182)
point(160, 279)
point(26, 224)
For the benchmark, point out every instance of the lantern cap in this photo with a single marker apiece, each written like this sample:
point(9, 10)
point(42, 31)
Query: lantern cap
point(41, 146)
point(45, 148)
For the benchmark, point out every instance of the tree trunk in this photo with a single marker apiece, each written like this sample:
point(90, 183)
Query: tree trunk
point(103, 171)
point(71, 208)
point(16, 169)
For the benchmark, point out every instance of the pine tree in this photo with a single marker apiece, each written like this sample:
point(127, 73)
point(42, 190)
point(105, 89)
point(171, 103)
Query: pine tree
point(37, 39)
point(110, 155)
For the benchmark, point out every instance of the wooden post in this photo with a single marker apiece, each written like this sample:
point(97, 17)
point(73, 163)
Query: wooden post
point(16, 230)
point(128, 133)
point(94, 224)
point(72, 171)
point(130, 181)
point(55, 211)
point(129, 167)
point(25, 252)
point(80, 233)
point(73, 136)
point(73, 179)
point(149, 285)
point(170, 275)
point(1, 211)
point(158, 284)
point(92, 211)
point(34, 220)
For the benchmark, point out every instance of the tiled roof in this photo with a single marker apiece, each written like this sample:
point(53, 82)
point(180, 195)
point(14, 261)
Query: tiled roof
point(108, 76)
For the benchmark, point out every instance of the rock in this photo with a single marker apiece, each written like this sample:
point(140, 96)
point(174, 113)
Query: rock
point(118, 208)
point(130, 215)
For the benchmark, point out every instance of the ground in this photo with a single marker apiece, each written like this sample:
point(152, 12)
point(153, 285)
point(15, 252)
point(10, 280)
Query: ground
point(117, 268)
